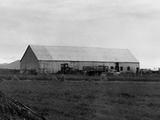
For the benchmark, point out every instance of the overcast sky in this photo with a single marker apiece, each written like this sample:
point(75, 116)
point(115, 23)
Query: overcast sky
point(132, 24)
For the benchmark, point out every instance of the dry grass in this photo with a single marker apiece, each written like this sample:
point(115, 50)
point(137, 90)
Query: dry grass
point(88, 100)
point(80, 77)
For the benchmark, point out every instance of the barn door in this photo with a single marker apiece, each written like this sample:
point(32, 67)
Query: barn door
point(117, 66)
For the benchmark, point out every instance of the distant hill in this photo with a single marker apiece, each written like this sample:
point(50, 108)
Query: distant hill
point(12, 65)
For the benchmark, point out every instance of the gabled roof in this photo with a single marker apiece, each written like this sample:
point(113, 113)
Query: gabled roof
point(68, 53)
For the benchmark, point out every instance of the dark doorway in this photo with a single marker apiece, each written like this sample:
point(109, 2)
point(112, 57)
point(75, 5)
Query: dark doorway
point(137, 70)
point(128, 68)
point(121, 68)
point(117, 67)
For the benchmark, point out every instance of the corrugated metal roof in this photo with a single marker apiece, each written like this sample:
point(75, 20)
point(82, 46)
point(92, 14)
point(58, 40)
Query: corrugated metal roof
point(69, 53)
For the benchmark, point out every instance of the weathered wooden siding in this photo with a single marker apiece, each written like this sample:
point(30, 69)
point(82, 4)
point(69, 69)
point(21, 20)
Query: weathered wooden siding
point(133, 66)
point(50, 66)
point(55, 66)
point(29, 61)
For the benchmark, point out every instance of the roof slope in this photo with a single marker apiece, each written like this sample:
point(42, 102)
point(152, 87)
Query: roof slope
point(69, 53)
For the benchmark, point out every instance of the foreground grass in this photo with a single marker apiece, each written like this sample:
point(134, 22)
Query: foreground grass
point(53, 99)
point(88, 100)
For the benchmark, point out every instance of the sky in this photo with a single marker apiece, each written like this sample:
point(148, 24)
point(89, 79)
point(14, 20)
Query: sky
point(130, 24)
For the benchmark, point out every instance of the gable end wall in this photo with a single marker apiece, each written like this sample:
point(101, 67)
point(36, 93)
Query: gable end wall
point(29, 61)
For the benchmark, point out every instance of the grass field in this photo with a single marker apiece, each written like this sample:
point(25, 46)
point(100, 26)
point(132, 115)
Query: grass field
point(88, 100)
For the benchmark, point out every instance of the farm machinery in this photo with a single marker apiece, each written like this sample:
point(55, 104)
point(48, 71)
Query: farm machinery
point(93, 70)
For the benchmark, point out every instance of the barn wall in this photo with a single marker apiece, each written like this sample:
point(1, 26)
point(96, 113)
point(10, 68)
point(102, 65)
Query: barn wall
point(29, 61)
point(79, 65)
point(55, 66)
point(50, 66)
point(133, 66)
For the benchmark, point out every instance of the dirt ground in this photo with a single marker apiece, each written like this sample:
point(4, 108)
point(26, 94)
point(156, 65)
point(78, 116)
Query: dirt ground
point(88, 100)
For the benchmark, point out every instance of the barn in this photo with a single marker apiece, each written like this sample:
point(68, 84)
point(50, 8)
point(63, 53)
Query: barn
point(52, 59)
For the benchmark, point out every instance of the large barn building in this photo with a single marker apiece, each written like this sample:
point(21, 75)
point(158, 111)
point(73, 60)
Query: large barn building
point(51, 59)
